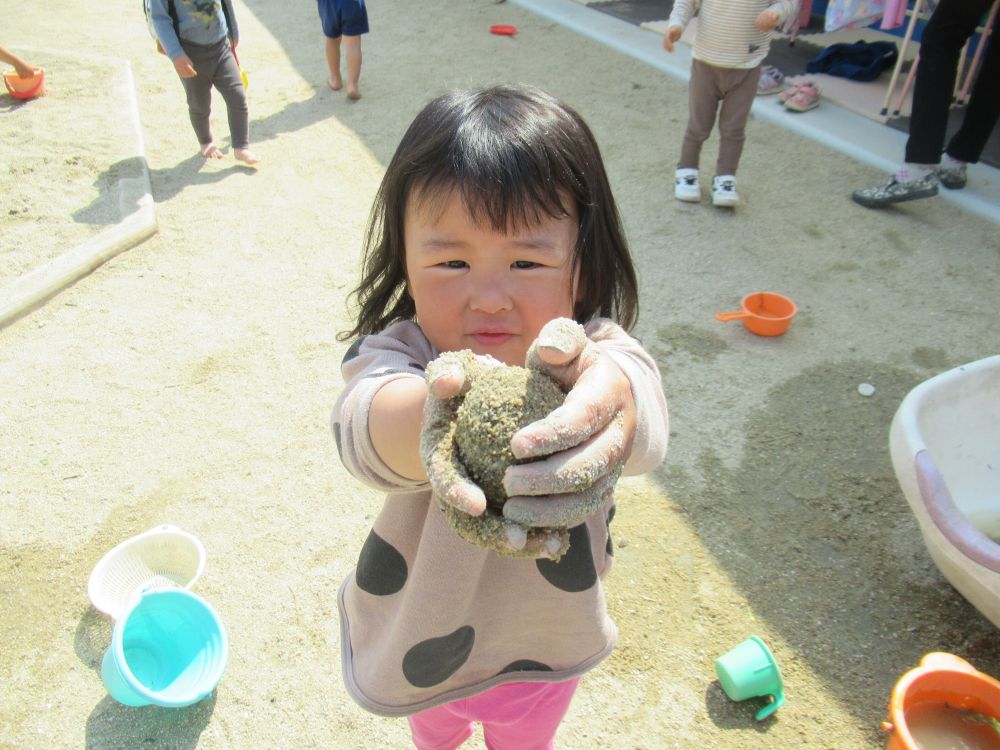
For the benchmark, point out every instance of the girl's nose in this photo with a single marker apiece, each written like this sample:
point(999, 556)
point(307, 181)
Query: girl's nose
point(489, 296)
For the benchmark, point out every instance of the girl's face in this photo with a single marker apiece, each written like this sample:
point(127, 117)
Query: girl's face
point(477, 289)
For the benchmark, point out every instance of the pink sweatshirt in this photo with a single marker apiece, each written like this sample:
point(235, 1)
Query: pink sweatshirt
point(426, 617)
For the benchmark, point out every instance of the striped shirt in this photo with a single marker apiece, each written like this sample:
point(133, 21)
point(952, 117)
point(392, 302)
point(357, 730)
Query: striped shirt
point(727, 36)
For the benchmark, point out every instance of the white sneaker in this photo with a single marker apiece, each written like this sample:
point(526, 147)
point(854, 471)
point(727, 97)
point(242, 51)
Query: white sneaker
point(686, 185)
point(724, 191)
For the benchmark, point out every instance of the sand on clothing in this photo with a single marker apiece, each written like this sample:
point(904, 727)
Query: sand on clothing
point(190, 379)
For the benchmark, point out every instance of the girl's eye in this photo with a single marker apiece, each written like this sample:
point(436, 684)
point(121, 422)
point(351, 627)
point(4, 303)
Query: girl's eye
point(454, 264)
point(525, 264)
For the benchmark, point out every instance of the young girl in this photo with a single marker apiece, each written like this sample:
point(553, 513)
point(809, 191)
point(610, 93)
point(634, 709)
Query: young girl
point(200, 38)
point(493, 224)
point(733, 38)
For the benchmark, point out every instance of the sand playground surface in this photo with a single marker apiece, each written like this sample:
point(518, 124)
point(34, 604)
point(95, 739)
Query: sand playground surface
point(189, 380)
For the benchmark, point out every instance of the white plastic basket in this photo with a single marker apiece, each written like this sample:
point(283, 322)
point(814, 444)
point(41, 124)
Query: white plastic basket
point(164, 556)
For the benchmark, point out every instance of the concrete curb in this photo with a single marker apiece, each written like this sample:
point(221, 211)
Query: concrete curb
point(32, 289)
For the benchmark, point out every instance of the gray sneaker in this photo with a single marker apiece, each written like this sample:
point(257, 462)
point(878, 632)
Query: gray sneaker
point(896, 192)
point(952, 178)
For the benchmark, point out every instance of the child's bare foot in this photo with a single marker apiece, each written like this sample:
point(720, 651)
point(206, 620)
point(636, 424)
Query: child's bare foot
point(335, 84)
point(210, 151)
point(246, 156)
point(353, 93)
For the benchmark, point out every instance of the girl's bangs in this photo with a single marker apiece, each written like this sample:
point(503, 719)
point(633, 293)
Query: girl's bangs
point(503, 187)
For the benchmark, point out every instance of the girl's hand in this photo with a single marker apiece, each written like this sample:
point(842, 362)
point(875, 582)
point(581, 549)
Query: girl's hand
point(449, 378)
point(670, 37)
point(585, 441)
point(767, 20)
point(184, 66)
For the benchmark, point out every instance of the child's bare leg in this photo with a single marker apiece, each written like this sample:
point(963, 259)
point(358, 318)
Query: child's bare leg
point(352, 53)
point(333, 63)
point(210, 151)
point(246, 156)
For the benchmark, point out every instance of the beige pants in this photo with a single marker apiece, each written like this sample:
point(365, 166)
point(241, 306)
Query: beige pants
point(735, 88)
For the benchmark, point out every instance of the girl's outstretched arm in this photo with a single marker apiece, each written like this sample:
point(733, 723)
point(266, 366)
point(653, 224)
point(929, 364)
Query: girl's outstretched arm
point(394, 426)
point(370, 369)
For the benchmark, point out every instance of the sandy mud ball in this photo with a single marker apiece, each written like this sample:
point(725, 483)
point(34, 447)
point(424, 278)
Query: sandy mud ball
point(500, 402)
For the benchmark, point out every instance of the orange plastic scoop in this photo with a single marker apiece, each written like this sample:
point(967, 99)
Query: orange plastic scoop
point(763, 313)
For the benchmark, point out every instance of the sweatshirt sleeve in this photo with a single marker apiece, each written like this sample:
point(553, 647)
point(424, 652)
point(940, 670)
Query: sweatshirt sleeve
point(652, 421)
point(234, 28)
point(401, 351)
point(163, 26)
point(786, 10)
point(682, 13)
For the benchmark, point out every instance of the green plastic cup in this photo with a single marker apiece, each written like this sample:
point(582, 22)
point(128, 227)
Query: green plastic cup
point(749, 670)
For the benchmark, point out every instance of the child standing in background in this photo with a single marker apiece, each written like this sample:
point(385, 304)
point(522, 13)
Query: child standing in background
point(199, 37)
point(347, 20)
point(732, 41)
point(494, 219)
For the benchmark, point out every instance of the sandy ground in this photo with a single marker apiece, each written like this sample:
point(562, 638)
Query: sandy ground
point(190, 380)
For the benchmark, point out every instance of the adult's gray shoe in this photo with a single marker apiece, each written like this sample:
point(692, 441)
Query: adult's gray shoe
point(894, 191)
point(953, 178)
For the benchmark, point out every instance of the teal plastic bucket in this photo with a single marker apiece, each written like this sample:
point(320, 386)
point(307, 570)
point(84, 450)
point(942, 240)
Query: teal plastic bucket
point(169, 648)
point(749, 670)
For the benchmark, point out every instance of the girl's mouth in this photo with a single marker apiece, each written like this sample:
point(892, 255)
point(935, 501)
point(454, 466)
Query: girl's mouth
point(491, 338)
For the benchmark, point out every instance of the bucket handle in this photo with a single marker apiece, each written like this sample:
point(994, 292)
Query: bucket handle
point(778, 700)
point(948, 519)
point(735, 315)
point(942, 660)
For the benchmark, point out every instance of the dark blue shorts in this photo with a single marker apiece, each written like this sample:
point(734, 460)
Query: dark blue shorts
point(343, 17)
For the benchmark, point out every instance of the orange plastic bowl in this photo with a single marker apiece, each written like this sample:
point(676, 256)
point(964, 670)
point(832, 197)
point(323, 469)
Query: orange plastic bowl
point(24, 88)
point(763, 313)
point(941, 679)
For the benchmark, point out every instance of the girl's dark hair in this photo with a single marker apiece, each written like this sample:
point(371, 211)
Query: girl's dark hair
point(514, 154)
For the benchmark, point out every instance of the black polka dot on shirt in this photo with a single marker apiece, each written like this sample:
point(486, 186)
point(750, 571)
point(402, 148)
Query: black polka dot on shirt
point(610, 545)
point(525, 665)
point(433, 661)
point(381, 568)
point(353, 351)
point(575, 570)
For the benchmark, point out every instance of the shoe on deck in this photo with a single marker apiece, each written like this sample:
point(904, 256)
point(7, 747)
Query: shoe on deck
point(724, 191)
point(687, 187)
point(803, 98)
point(771, 81)
point(894, 191)
point(953, 178)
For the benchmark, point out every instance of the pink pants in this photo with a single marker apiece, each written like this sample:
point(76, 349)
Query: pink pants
point(515, 716)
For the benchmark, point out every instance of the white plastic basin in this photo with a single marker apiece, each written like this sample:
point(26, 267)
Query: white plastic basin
point(945, 445)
